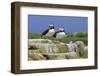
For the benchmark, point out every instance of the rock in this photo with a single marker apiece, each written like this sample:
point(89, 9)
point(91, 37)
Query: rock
point(50, 56)
point(55, 56)
point(48, 47)
point(52, 48)
point(36, 56)
point(71, 55)
point(85, 52)
point(61, 56)
point(62, 48)
point(45, 49)
point(85, 48)
point(77, 47)
point(80, 47)
point(71, 47)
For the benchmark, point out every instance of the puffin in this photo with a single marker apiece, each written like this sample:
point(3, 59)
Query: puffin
point(60, 34)
point(48, 32)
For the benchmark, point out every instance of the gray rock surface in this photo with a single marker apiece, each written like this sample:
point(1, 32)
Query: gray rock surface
point(44, 49)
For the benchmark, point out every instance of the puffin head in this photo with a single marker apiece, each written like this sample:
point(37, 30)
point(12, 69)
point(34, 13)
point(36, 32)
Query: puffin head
point(61, 30)
point(51, 26)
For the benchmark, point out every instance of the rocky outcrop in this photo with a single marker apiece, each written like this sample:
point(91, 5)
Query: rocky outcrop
point(44, 49)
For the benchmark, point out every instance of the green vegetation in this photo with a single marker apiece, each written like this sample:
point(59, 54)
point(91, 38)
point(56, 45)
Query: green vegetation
point(34, 36)
point(81, 36)
point(68, 39)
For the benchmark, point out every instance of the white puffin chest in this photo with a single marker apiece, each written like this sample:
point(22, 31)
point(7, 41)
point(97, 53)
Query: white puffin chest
point(50, 32)
point(60, 35)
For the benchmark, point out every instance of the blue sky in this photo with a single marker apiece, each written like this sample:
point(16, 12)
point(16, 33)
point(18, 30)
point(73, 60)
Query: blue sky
point(38, 23)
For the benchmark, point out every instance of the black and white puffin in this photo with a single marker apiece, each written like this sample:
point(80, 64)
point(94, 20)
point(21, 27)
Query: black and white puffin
point(60, 33)
point(49, 32)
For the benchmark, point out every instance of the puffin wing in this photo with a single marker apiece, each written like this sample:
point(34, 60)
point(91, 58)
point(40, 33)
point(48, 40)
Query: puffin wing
point(45, 32)
point(55, 34)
